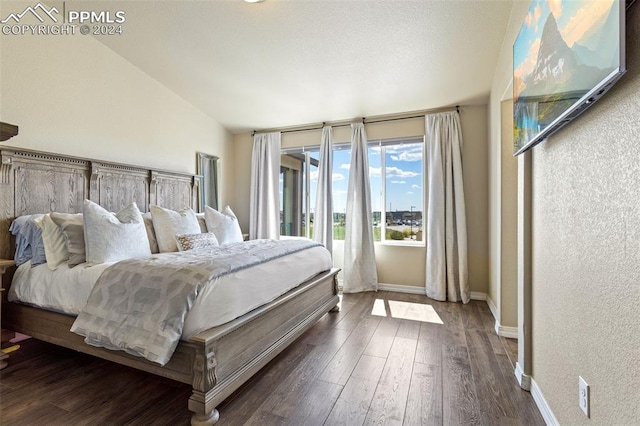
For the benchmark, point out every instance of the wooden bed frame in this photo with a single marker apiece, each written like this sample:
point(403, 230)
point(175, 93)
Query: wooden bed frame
point(215, 362)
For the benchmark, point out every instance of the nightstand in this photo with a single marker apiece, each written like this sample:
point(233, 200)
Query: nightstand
point(4, 265)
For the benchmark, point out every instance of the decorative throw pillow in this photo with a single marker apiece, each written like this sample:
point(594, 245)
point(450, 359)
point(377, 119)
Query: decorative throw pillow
point(29, 245)
point(55, 246)
point(169, 223)
point(151, 234)
point(224, 225)
point(34, 234)
point(196, 241)
point(112, 237)
point(72, 226)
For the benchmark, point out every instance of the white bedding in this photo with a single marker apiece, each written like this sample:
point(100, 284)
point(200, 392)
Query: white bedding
point(225, 298)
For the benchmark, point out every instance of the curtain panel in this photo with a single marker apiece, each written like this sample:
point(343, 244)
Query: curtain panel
point(359, 253)
point(264, 209)
point(446, 226)
point(323, 215)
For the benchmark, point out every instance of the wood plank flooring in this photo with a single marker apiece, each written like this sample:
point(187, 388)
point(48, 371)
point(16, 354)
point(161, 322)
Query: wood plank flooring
point(351, 368)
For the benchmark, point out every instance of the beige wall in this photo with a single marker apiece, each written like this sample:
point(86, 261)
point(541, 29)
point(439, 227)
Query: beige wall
point(586, 255)
point(72, 95)
point(508, 301)
point(502, 290)
point(399, 264)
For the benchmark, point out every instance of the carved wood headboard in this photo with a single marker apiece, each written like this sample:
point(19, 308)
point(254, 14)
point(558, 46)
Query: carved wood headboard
point(37, 182)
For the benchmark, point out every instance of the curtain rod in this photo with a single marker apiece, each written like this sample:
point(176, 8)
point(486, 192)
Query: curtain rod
point(364, 120)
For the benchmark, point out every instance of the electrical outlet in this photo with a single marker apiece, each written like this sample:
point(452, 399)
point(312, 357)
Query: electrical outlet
point(584, 396)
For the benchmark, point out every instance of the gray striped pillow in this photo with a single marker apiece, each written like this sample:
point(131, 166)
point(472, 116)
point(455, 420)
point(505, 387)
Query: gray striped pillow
point(72, 226)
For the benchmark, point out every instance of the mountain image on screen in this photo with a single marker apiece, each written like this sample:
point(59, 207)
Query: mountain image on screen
point(570, 71)
point(562, 73)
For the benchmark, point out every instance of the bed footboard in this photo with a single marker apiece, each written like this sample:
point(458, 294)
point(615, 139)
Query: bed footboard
point(232, 353)
point(215, 362)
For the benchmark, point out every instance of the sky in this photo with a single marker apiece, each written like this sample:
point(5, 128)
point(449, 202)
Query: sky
point(404, 178)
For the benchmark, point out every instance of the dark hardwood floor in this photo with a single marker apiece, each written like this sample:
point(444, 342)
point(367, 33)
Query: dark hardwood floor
point(367, 364)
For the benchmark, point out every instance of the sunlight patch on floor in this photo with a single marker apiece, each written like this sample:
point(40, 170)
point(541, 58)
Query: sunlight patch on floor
point(405, 310)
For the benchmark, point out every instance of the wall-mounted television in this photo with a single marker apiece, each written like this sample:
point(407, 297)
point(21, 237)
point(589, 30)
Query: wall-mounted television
point(568, 53)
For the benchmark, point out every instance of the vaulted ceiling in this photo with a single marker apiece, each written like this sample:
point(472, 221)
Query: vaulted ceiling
point(288, 62)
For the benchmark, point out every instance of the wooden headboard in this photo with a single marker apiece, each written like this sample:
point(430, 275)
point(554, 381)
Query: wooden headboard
point(37, 182)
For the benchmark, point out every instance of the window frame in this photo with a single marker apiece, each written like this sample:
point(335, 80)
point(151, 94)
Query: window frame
point(305, 203)
point(382, 143)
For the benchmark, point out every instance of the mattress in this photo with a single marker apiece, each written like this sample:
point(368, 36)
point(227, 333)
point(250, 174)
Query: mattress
point(225, 298)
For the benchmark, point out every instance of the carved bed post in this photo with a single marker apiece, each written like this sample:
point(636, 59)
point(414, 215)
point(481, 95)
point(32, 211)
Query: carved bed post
point(196, 195)
point(335, 291)
point(204, 379)
point(7, 205)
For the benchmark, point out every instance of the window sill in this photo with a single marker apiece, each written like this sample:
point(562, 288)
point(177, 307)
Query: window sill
point(421, 244)
point(400, 243)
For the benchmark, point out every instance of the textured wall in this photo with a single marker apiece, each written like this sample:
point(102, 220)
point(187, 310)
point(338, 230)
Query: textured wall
point(586, 255)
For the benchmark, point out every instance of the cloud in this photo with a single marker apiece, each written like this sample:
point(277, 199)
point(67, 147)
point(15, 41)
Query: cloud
point(583, 20)
point(411, 152)
point(398, 181)
point(414, 186)
point(391, 171)
point(555, 6)
point(408, 156)
point(409, 193)
point(398, 172)
point(528, 64)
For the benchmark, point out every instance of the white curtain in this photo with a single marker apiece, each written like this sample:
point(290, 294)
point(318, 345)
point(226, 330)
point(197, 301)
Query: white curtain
point(323, 215)
point(447, 275)
point(359, 256)
point(264, 211)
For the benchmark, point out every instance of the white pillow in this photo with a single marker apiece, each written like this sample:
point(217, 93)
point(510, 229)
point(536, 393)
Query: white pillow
point(224, 225)
point(72, 226)
point(151, 234)
point(55, 245)
point(169, 223)
point(112, 237)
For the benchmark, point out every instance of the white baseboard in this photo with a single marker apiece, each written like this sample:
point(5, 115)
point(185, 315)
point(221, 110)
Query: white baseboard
point(501, 330)
point(543, 407)
point(476, 295)
point(523, 379)
point(508, 332)
point(411, 289)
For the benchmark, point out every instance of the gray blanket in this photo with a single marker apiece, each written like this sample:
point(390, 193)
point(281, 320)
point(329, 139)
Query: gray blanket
point(139, 305)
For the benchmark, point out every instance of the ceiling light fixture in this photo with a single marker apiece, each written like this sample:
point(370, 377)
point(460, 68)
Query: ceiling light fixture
point(253, 1)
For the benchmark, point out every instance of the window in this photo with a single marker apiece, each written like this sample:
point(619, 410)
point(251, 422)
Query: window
point(396, 173)
point(298, 187)
point(208, 169)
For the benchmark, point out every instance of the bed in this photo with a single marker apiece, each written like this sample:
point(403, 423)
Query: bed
point(215, 361)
